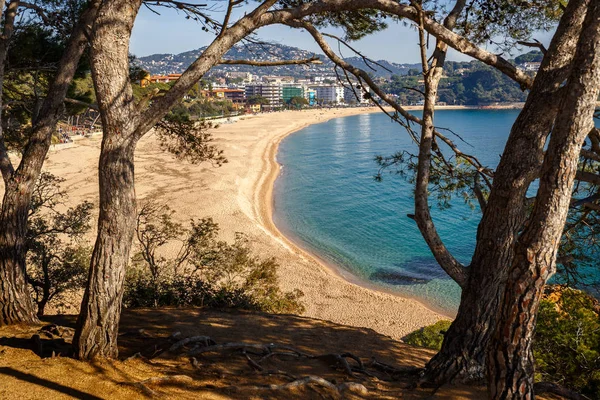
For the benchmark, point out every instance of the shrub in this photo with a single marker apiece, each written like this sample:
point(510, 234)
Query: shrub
point(566, 344)
point(205, 272)
point(430, 336)
point(57, 262)
point(567, 341)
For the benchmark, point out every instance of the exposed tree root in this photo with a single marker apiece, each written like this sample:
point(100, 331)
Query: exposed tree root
point(337, 391)
point(257, 354)
point(205, 340)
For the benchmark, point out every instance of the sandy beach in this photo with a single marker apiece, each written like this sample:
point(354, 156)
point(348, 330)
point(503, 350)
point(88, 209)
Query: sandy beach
point(238, 196)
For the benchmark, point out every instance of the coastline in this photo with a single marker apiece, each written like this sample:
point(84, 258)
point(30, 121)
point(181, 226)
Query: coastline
point(264, 208)
point(238, 196)
point(262, 212)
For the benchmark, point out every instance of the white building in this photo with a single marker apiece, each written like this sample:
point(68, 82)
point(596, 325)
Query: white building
point(531, 66)
point(329, 94)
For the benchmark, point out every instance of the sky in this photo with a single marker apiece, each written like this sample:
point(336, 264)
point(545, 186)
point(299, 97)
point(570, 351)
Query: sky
point(171, 33)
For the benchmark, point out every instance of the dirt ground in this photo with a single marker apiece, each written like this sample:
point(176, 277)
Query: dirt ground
point(148, 368)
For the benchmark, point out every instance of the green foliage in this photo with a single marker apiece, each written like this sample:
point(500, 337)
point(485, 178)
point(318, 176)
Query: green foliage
point(567, 342)
point(466, 83)
point(56, 260)
point(298, 102)
point(566, 345)
point(504, 22)
point(205, 272)
point(355, 24)
point(33, 55)
point(532, 56)
point(188, 140)
point(257, 99)
point(430, 337)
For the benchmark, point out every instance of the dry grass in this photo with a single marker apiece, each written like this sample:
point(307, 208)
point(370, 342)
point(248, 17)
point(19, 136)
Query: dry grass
point(223, 375)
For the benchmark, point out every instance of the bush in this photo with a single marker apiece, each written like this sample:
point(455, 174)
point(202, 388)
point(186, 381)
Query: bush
point(430, 337)
point(57, 262)
point(206, 272)
point(566, 344)
point(567, 341)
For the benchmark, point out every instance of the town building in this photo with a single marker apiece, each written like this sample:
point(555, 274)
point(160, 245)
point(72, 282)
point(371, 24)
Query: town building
point(350, 96)
point(329, 94)
point(288, 92)
point(531, 66)
point(147, 80)
point(310, 95)
point(272, 93)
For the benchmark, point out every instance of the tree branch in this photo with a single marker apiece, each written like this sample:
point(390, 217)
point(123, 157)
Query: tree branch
point(38, 10)
point(535, 43)
point(448, 262)
point(81, 103)
point(588, 177)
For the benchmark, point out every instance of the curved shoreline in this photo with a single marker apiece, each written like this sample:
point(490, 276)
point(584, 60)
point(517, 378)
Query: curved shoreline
point(263, 207)
point(238, 196)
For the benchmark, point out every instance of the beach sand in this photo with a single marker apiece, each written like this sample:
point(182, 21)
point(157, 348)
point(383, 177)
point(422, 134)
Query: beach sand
point(238, 196)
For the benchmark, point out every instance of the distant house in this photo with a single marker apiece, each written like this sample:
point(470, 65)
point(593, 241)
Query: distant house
point(236, 96)
point(289, 92)
point(329, 94)
point(531, 66)
point(159, 79)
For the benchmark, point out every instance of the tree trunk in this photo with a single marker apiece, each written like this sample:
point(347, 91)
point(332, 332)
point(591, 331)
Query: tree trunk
point(16, 304)
point(15, 299)
point(124, 122)
point(98, 322)
point(510, 358)
point(463, 353)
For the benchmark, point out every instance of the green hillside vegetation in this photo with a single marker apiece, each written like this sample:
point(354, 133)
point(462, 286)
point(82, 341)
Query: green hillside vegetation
point(465, 83)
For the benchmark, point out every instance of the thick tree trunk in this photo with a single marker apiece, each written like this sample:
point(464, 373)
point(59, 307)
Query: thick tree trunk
point(15, 299)
point(16, 305)
point(511, 364)
point(98, 322)
point(124, 122)
point(97, 326)
point(463, 353)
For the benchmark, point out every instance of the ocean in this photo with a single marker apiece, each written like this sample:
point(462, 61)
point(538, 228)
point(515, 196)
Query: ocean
point(327, 200)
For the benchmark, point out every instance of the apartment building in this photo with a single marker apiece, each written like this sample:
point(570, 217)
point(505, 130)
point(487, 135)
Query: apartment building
point(273, 93)
point(329, 94)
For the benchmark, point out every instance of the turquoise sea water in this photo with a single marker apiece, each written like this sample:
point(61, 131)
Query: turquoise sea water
point(327, 200)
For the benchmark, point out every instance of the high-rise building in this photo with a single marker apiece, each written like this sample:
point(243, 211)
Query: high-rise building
point(329, 94)
point(350, 96)
point(288, 92)
point(273, 94)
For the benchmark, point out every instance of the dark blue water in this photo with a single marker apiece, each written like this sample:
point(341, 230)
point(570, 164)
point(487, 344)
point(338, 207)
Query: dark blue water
point(328, 201)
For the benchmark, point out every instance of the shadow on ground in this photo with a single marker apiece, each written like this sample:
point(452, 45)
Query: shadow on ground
point(148, 369)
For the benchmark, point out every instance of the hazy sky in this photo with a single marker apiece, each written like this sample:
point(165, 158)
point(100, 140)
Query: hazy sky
point(172, 33)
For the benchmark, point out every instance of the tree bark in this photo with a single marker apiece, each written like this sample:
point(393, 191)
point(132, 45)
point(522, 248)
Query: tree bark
point(463, 353)
point(15, 300)
point(98, 322)
point(511, 364)
point(124, 122)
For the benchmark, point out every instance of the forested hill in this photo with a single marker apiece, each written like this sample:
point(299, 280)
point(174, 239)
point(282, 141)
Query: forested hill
point(465, 83)
point(177, 63)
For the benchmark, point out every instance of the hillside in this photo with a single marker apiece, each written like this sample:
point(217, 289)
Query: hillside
point(177, 63)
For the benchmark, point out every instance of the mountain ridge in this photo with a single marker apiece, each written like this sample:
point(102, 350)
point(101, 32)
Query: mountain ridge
point(165, 63)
